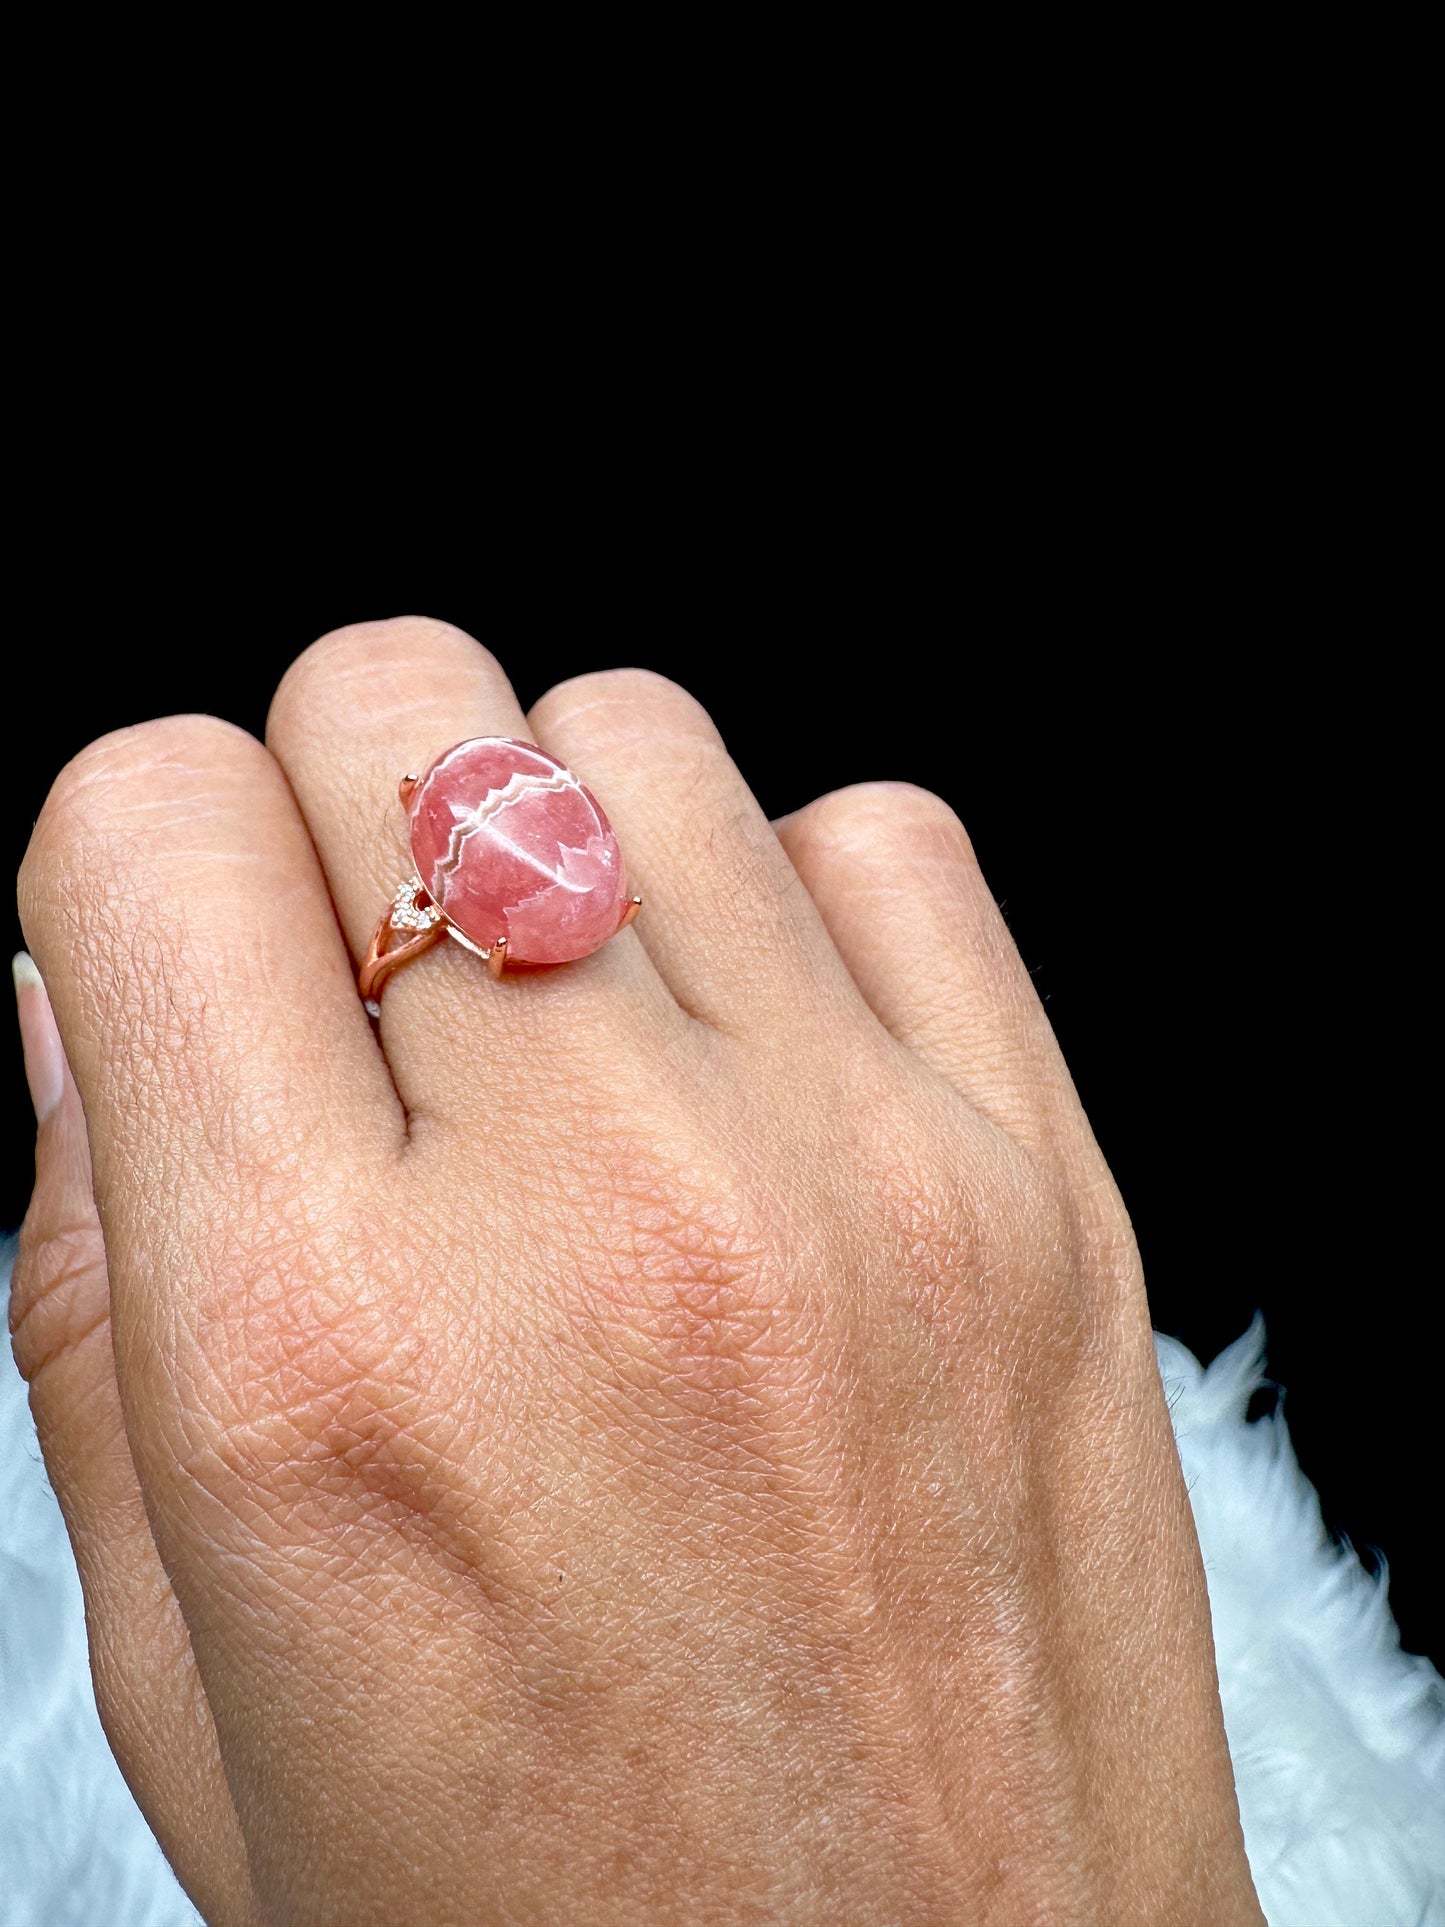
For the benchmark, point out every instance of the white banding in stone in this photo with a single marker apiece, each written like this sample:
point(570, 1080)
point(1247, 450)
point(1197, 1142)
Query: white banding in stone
point(468, 822)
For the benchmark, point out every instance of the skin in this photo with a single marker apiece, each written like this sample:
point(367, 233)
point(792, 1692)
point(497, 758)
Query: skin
point(673, 1439)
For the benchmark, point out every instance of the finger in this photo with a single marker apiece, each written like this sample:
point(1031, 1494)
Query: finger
point(233, 1090)
point(735, 939)
point(177, 912)
point(894, 875)
point(147, 1689)
point(360, 709)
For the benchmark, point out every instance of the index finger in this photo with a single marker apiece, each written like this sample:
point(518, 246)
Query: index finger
point(181, 921)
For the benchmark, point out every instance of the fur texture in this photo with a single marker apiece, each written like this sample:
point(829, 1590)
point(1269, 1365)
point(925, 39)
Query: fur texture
point(1338, 1738)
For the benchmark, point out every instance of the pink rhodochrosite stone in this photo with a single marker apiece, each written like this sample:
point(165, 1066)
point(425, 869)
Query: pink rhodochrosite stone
point(510, 844)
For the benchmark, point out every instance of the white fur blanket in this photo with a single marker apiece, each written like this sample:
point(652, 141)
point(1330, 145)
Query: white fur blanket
point(1338, 1738)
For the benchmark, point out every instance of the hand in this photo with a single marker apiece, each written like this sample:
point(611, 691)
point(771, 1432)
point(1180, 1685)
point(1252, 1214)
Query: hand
point(671, 1439)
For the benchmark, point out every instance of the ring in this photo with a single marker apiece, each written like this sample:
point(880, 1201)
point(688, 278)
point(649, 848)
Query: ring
point(514, 859)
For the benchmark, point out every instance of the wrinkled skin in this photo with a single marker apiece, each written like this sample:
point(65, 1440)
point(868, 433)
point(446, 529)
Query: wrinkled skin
point(673, 1439)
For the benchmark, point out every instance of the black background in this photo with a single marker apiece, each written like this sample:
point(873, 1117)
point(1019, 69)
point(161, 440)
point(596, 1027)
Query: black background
point(1148, 697)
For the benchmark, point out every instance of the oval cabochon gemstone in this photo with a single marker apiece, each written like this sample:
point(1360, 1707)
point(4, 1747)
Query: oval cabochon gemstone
point(511, 845)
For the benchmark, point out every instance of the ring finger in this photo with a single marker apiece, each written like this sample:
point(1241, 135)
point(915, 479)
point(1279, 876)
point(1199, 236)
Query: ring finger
point(361, 708)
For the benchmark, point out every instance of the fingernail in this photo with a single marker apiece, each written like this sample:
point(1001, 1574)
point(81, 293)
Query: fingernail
point(44, 1052)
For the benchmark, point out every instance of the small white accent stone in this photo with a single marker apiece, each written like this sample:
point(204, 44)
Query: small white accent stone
point(404, 912)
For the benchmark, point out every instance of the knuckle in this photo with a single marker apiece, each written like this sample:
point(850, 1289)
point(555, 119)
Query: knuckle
point(362, 650)
point(59, 1293)
point(99, 790)
point(936, 1214)
point(886, 818)
point(118, 796)
point(686, 1312)
point(1104, 1237)
point(312, 1378)
point(1067, 1323)
point(988, 1264)
point(621, 703)
point(105, 891)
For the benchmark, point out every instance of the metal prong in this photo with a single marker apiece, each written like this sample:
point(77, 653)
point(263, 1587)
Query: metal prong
point(405, 787)
point(630, 910)
point(497, 957)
